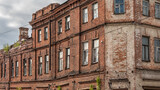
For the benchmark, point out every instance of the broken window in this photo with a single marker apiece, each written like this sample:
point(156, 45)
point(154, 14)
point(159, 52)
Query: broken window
point(146, 7)
point(60, 60)
point(95, 51)
point(157, 10)
point(157, 50)
point(145, 48)
point(85, 53)
point(95, 10)
point(119, 6)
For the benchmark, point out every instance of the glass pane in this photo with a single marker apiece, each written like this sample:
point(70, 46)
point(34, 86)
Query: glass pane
point(147, 53)
point(116, 10)
point(145, 41)
point(96, 43)
point(85, 45)
point(122, 8)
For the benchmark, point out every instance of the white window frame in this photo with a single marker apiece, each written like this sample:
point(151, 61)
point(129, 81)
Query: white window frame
point(40, 65)
point(59, 26)
point(85, 15)
point(60, 68)
point(95, 51)
point(67, 58)
point(67, 26)
point(39, 35)
point(46, 64)
point(85, 53)
point(95, 10)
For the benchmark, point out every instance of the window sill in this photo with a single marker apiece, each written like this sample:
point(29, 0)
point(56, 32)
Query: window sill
point(45, 39)
point(67, 30)
point(145, 60)
point(157, 18)
point(119, 13)
point(67, 68)
point(59, 33)
point(47, 73)
point(85, 65)
point(146, 15)
point(60, 70)
point(84, 22)
point(40, 74)
point(93, 63)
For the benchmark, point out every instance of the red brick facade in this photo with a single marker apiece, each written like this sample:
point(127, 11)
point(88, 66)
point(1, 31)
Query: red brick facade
point(77, 76)
point(109, 28)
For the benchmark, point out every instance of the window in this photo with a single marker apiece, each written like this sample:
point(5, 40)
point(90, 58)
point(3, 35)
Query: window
point(119, 6)
point(146, 7)
point(60, 60)
point(46, 64)
point(67, 58)
point(157, 50)
point(67, 22)
point(12, 69)
point(40, 66)
point(95, 10)
point(39, 35)
point(85, 15)
point(17, 68)
point(59, 26)
point(45, 33)
point(85, 53)
point(1, 70)
point(30, 66)
point(145, 48)
point(24, 67)
point(157, 10)
point(95, 51)
point(5, 69)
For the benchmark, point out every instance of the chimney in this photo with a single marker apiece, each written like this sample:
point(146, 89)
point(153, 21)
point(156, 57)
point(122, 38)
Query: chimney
point(23, 33)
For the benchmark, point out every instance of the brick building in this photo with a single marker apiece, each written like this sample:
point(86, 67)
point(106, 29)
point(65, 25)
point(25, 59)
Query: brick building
point(74, 43)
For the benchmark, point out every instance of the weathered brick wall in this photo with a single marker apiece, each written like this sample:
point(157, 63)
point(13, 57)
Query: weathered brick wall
point(119, 56)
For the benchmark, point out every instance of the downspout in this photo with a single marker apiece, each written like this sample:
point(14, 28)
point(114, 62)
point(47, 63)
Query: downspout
point(21, 68)
point(79, 37)
point(50, 45)
point(35, 57)
point(55, 49)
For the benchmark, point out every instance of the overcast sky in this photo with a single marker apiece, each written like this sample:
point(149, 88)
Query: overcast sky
point(17, 13)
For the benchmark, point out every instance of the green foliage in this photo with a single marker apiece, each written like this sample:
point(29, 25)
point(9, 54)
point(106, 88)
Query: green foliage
point(91, 87)
point(59, 88)
point(17, 44)
point(6, 48)
point(19, 88)
point(98, 83)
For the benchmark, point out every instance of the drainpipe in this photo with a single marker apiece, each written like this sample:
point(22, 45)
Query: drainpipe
point(50, 45)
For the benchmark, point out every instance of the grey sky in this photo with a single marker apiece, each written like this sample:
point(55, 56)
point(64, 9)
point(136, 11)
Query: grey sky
point(17, 13)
